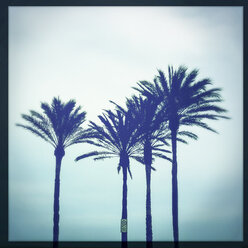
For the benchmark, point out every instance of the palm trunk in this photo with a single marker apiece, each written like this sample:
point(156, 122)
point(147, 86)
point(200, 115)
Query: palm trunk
point(148, 163)
point(124, 209)
point(174, 188)
point(148, 207)
point(59, 155)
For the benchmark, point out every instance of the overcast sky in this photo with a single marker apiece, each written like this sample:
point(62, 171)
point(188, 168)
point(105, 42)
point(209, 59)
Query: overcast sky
point(96, 54)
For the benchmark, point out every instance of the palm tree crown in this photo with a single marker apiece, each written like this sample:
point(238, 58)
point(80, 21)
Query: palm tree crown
point(150, 123)
point(118, 136)
point(59, 125)
point(187, 102)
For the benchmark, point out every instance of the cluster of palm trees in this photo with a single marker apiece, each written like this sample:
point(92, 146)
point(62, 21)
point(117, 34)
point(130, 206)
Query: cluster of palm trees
point(142, 130)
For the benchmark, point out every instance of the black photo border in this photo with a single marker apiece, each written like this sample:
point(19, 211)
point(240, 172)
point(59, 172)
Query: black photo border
point(4, 4)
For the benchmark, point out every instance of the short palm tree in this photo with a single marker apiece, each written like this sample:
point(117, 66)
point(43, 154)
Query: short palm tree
point(118, 137)
point(188, 102)
point(151, 127)
point(59, 125)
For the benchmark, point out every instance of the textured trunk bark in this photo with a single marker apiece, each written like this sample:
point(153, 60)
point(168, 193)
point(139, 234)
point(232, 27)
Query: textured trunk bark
point(59, 153)
point(124, 161)
point(124, 202)
point(148, 163)
point(174, 188)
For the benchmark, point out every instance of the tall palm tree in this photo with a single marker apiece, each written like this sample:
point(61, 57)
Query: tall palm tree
point(118, 137)
point(151, 127)
point(59, 125)
point(188, 102)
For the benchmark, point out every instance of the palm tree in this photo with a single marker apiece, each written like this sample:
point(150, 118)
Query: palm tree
point(59, 125)
point(118, 137)
point(151, 127)
point(188, 102)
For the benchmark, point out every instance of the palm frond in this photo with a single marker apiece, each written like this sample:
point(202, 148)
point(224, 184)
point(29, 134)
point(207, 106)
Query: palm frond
point(161, 150)
point(207, 107)
point(190, 78)
point(181, 140)
point(195, 122)
point(129, 171)
point(103, 136)
point(160, 155)
point(36, 132)
point(102, 157)
point(163, 82)
point(139, 159)
point(94, 153)
point(42, 126)
point(86, 155)
point(188, 134)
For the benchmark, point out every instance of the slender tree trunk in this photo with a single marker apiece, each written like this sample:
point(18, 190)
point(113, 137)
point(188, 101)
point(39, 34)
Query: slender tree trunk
point(148, 206)
point(124, 209)
point(59, 155)
point(174, 188)
point(148, 163)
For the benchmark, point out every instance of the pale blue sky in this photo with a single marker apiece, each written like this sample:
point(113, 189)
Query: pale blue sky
point(96, 54)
